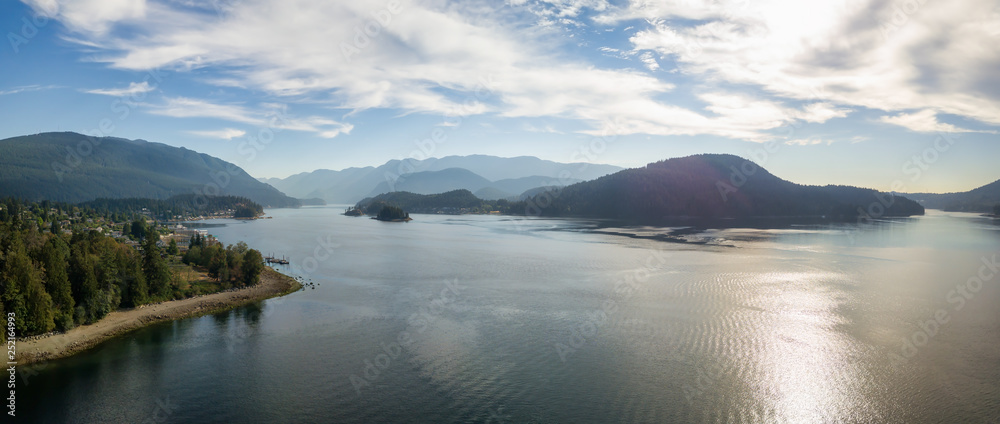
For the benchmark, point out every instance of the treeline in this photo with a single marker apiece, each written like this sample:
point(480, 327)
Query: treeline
point(51, 280)
point(234, 266)
point(710, 186)
point(392, 213)
point(184, 205)
point(455, 201)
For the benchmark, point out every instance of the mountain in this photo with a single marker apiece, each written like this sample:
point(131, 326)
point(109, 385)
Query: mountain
point(71, 167)
point(492, 193)
point(711, 186)
point(351, 184)
point(981, 199)
point(496, 168)
point(430, 182)
point(517, 186)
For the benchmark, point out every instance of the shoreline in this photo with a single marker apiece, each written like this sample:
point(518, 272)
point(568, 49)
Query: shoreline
point(123, 321)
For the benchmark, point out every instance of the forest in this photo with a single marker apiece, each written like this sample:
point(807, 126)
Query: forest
point(455, 201)
point(392, 213)
point(37, 167)
point(710, 186)
point(52, 280)
point(179, 206)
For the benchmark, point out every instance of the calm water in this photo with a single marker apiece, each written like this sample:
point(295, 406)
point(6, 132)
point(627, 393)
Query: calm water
point(491, 319)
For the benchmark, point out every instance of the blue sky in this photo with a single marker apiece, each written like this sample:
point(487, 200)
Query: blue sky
point(858, 92)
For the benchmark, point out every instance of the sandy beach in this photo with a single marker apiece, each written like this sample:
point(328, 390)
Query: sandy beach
point(81, 338)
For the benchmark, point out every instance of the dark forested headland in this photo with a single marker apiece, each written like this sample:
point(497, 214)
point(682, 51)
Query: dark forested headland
point(62, 266)
point(71, 167)
point(180, 207)
point(702, 186)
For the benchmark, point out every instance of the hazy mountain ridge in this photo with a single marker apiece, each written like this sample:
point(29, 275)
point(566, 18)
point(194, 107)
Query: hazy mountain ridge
point(352, 184)
point(981, 199)
point(71, 167)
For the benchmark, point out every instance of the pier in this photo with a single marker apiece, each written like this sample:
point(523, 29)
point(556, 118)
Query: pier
point(273, 260)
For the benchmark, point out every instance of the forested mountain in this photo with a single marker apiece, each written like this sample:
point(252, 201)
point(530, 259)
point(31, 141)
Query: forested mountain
point(982, 199)
point(352, 184)
point(711, 186)
point(71, 167)
point(456, 201)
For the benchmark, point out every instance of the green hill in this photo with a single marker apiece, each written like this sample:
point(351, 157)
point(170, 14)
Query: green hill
point(71, 167)
point(982, 199)
point(711, 186)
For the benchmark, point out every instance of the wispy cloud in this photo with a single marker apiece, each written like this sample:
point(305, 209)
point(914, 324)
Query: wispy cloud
point(132, 90)
point(460, 58)
point(924, 121)
point(28, 88)
point(225, 134)
point(265, 115)
point(834, 51)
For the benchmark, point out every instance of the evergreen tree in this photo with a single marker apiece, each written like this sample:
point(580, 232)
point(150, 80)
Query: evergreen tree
point(253, 265)
point(155, 268)
point(172, 249)
point(24, 294)
point(55, 258)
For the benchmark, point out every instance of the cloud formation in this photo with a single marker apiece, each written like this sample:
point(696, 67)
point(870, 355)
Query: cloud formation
point(133, 89)
point(752, 66)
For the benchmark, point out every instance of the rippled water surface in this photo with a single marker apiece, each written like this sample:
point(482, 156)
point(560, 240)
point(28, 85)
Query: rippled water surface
point(501, 320)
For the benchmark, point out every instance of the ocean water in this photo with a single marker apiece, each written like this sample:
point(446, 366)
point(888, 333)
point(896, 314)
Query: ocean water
point(504, 320)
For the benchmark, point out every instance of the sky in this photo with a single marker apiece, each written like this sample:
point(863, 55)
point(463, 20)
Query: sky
point(901, 96)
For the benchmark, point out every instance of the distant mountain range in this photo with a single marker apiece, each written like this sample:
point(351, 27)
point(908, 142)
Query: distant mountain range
point(981, 199)
point(712, 186)
point(702, 186)
point(73, 168)
point(488, 176)
point(432, 182)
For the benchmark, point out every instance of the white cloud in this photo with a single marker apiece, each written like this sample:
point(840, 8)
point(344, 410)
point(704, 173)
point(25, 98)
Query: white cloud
point(92, 16)
point(266, 115)
point(845, 52)
point(650, 61)
point(132, 90)
point(807, 142)
point(225, 134)
point(922, 121)
point(821, 112)
point(28, 88)
point(465, 58)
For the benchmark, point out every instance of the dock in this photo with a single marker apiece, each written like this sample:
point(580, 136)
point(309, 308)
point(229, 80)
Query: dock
point(273, 260)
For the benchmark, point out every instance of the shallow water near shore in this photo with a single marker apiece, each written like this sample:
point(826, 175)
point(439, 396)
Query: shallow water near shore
point(502, 320)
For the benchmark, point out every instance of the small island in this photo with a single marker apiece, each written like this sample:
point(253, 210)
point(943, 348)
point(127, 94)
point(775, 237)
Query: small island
point(353, 211)
point(391, 213)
